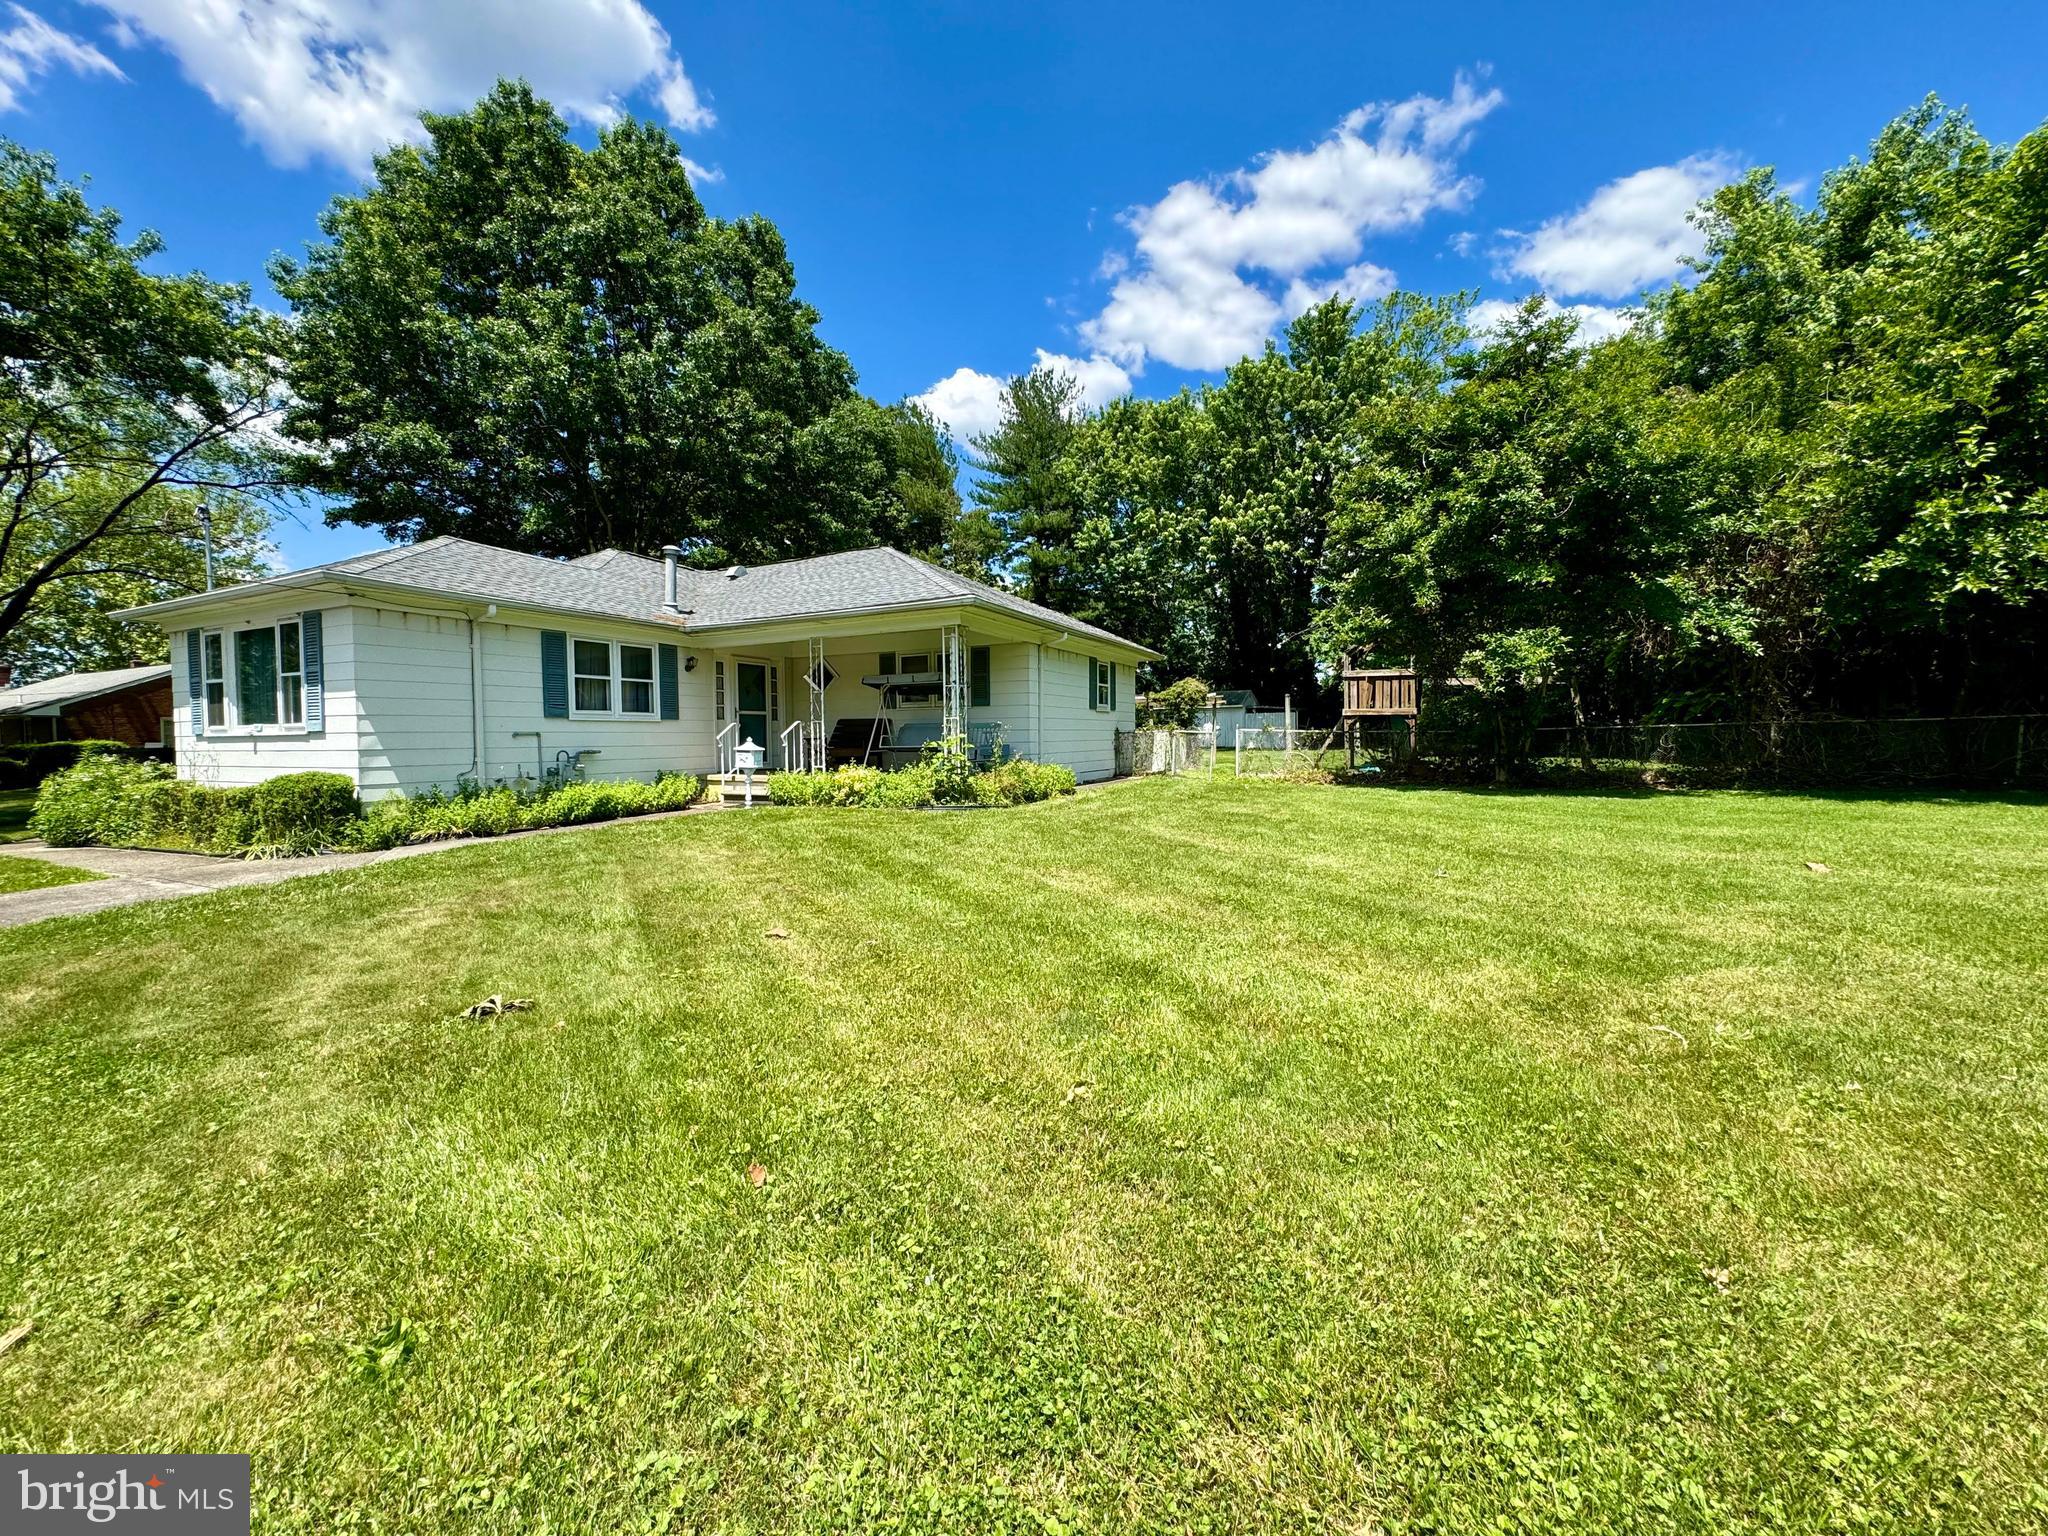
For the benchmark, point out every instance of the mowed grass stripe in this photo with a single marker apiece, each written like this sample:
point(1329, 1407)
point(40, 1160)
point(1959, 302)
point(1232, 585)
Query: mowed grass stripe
point(1186, 1155)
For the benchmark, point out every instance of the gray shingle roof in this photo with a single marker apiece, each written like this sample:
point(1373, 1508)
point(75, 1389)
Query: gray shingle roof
point(618, 584)
point(72, 687)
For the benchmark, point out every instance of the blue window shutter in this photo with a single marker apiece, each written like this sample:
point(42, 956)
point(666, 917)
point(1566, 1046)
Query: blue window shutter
point(1112, 685)
point(195, 683)
point(665, 665)
point(978, 676)
point(312, 659)
point(554, 674)
point(1090, 675)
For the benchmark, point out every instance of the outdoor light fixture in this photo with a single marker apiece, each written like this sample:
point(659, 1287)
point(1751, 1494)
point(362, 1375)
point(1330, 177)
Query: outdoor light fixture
point(690, 663)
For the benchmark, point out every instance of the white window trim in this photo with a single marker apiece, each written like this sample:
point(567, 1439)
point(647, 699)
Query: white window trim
point(232, 724)
point(616, 680)
point(1102, 686)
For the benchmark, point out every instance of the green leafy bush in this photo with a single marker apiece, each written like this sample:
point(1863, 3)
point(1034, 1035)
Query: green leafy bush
point(27, 765)
point(100, 799)
point(1176, 706)
point(933, 780)
point(120, 803)
point(473, 811)
point(1021, 781)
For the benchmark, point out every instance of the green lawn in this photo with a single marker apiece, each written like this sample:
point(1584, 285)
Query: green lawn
point(19, 874)
point(1187, 1156)
point(15, 804)
point(28, 874)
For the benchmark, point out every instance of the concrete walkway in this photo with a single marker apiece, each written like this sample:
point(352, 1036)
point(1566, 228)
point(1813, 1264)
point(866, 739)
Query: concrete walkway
point(138, 874)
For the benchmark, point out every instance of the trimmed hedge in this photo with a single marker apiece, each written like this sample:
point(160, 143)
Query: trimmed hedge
point(27, 765)
point(934, 781)
point(476, 812)
point(122, 804)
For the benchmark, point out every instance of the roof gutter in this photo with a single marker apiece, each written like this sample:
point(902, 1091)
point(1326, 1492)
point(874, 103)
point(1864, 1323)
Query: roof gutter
point(403, 592)
point(418, 596)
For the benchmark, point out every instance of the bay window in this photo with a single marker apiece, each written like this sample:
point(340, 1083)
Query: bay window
point(254, 679)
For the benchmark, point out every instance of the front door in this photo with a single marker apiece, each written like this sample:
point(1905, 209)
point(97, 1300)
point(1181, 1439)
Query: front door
point(753, 710)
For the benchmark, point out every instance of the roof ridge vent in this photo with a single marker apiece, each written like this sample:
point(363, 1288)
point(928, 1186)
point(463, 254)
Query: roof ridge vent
point(734, 573)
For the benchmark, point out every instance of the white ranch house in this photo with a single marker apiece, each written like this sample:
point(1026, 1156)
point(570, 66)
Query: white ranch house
point(419, 666)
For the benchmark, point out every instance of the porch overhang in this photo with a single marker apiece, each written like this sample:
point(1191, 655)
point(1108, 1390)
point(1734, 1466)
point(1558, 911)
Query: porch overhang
point(984, 620)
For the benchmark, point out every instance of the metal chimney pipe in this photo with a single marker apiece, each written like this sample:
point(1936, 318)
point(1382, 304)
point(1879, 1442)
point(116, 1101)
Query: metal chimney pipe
point(670, 554)
point(206, 533)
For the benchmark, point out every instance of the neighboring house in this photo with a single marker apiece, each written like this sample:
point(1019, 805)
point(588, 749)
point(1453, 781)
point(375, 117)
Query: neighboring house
point(132, 704)
point(429, 663)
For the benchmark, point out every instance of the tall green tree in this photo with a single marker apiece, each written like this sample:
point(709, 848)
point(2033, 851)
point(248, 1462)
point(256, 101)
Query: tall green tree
point(1520, 531)
point(927, 488)
point(1024, 509)
point(1877, 365)
point(512, 338)
point(1204, 518)
point(126, 398)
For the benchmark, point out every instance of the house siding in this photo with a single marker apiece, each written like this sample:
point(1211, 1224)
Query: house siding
point(415, 706)
point(230, 761)
point(1075, 733)
point(401, 714)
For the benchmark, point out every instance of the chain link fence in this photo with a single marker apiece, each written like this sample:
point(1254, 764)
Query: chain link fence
point(1148, 751)
point(1952, 752)
point(1961, 752)
point(1272, 752)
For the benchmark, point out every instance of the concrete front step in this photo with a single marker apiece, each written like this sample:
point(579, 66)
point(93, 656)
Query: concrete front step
point(733, 786)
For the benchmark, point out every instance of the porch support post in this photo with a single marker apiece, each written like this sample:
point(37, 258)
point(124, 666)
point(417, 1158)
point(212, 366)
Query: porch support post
point(952, 688)
point(814, 727)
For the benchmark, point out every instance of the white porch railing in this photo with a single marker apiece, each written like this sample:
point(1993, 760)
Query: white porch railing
point(798, 758)
point(728, 749)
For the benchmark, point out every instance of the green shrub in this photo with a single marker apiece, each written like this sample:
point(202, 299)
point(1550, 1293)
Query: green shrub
point(27, 765)
point(951, 774)
point(295, 806)
point(1021, 781)
point(120, 803)
point(473, 811)
point(935, 779)
point(99, 799)
point(1176, 706)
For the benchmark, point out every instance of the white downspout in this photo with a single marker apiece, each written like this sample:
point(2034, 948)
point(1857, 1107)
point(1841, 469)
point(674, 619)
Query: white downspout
point(476, 694)
point(1038, 699)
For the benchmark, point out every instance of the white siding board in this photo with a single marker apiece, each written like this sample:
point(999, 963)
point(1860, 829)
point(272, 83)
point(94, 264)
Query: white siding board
point(399, 704)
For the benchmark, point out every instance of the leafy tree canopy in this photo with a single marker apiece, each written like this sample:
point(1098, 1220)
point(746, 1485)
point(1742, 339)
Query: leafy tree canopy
point(512, 338)
point(126, 398)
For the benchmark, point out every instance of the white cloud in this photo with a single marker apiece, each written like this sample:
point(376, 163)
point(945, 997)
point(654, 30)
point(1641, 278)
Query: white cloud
point(32, 48)
point(968, 402)
point(1630, 233)
point(342, 79)
point(1101, 379)
point(1197, 295)
point(1597, 322)
point(1361, 284)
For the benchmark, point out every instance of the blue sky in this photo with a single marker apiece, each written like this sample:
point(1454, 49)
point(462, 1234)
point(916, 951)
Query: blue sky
point(1145, 191)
